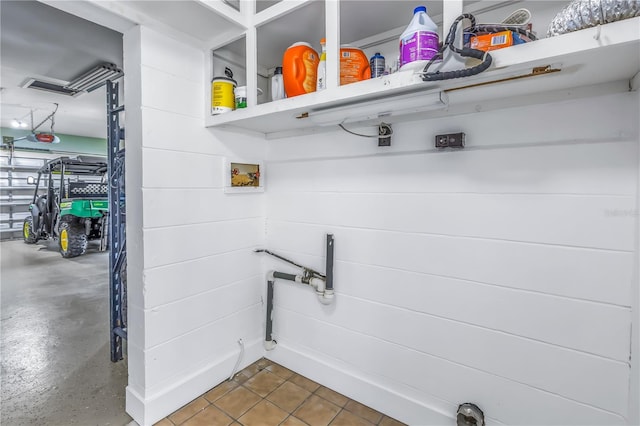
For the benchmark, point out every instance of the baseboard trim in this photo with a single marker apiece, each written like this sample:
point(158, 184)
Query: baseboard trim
point(368, 391)
point(147, 411)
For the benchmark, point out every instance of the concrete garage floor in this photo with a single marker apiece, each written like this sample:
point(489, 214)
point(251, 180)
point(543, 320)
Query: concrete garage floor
point(55, 339)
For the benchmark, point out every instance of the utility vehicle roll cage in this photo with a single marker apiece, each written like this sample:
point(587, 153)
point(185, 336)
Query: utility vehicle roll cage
point(82, 165)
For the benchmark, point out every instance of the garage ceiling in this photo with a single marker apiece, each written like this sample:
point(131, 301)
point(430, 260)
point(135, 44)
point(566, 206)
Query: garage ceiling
point(48, 40)
point(39, 41)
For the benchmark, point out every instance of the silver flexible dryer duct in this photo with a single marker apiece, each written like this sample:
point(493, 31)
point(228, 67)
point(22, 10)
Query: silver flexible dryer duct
point(580, 14)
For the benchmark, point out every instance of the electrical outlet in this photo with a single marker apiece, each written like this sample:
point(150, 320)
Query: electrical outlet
point(384, 134)
point(450, 140)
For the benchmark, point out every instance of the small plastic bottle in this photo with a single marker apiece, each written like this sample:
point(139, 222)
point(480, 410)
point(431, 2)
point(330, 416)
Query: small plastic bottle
point(321, 83)
point(419, 42)
point(377, 65)
point(277, 85)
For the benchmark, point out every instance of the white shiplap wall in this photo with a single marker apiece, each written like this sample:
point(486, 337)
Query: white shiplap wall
point(195, 286)
point(499, 275)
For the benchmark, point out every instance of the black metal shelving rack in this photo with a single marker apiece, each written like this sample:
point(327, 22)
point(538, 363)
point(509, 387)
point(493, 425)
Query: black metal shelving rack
point(117, 221)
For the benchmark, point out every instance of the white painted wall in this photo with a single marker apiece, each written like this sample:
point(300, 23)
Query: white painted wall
point(194, 284)
point(499, 275)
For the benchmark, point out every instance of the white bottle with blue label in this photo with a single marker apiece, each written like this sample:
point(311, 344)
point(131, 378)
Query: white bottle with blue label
point(419, 42)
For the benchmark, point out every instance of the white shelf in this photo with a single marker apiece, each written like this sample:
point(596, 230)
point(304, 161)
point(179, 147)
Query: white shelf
point(595, 55)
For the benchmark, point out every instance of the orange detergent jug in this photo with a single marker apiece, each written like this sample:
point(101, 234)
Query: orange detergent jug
point(299, 67)
point(354, 65)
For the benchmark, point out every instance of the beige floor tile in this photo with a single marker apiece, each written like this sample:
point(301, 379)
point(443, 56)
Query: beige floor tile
point(263, 414)
point(163, 422)
point(293, 421)
point(388, 421)
point(317, 411)
point(210, 416)
point(256, 367)
point(305, 383)
point(332, 396)
point(263, 383)
point(288, 396)
point(237, 402)
point(240, 378)
point(279, 370)
point(363, 411)
point(346, 418)
point(189, 410)
point(220, 390)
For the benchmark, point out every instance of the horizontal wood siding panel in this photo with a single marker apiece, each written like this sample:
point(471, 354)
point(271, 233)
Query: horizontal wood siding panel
point(172, 320)
point(180, 206)
point(186, 134)
point(545, 219)
point(171, 283)
point(508, 401)
point(168, 363)
point(586, 378)
point(173, 169)
point(171, 93)
point(597, 168)
point(592, 327)
point(184, 243)
point(504, 134)
point(596, 275)
point(172, 56)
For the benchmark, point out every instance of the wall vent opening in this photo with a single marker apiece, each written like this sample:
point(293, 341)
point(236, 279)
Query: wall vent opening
point(33, 83)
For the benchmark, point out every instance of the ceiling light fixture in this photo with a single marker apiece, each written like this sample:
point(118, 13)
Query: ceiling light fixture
point(380, 108)
point(40, 136)
point(95, 78)
point(20, 123)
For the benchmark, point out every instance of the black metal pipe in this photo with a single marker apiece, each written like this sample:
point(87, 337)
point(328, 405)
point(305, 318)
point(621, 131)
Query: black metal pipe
point(284, 276)
point(269, 326)
point(329, 260)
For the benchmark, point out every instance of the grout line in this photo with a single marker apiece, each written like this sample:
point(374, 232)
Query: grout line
point(200, 223)
point(208, 291)
point(468, 324)
point(225, 317)
point(164, 71)
point(147, 106)
point(192, 259)
point(450, 277)
point(277, 192)
point(204, 223)
point(181, 151)
point(458, 364)
point(234, 251)
point(265, 398)
point(428, 151)
point(432, 234)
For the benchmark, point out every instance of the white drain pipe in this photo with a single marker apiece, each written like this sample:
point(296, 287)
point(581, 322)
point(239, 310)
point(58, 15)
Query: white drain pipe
point(325, 296)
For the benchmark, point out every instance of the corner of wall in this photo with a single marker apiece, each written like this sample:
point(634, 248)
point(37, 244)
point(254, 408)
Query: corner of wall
point(135, 243)
point(634, 389)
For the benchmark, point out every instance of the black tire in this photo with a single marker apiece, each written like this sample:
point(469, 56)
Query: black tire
point(28, 235)
point(72, 240)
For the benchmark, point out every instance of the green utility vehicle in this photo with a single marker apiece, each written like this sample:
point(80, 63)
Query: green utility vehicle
point(70, 204)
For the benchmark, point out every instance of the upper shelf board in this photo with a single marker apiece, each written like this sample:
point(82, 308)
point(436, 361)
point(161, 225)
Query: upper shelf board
point(594, 55)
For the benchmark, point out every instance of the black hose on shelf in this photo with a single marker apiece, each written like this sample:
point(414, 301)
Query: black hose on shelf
point(465, 52)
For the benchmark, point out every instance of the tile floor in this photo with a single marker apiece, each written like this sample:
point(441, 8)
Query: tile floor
point(267, 394)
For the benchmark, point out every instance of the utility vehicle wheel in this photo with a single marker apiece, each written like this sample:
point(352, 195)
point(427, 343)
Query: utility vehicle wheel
point(27, 231)
point(72, 240)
